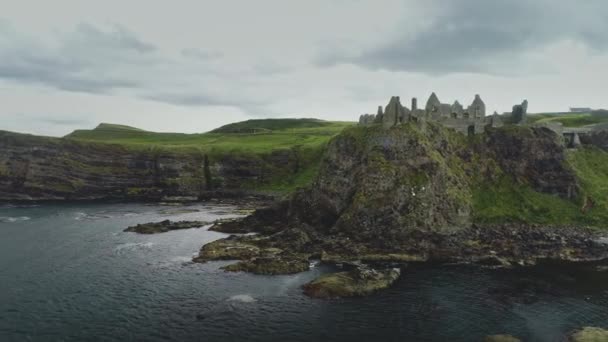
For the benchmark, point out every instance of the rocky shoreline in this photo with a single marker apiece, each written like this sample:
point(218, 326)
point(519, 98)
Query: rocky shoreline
point(273, 250)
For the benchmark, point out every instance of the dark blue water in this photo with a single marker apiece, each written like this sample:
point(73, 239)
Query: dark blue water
point(69, 273)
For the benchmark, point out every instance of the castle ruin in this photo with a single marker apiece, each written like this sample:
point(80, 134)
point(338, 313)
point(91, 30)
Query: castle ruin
point(470, 120)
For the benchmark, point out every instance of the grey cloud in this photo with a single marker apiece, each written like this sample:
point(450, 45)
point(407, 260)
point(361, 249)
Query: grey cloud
point(201, 99)
point(271, 68)
point(482, 36)
point(201, 54)
point(102, 61)
point(64, 121)
point(86, 60)
point(118, 38)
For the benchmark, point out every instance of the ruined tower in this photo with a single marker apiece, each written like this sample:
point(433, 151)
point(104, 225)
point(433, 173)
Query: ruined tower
point(477, 109)
point(433, 103)
point(394, 113)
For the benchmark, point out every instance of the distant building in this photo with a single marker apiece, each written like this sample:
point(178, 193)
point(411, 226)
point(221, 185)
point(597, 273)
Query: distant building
point(580, 110)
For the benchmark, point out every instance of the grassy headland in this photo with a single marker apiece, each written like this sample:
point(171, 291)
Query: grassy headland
point(252, 140)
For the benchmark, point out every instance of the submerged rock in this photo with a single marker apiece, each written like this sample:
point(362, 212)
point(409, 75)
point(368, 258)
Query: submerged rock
point(358, 282)
point(590, 334)
point(501, 338)
point(164, 226)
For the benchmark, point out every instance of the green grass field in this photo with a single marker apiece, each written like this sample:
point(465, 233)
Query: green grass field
point(274, 134)
point(569, 119)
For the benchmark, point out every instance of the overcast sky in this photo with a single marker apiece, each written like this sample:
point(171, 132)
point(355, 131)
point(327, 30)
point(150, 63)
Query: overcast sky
point(193, 65)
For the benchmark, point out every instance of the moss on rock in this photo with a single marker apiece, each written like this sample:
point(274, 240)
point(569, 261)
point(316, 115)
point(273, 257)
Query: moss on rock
point(590, 334)
point(271, 265)
point(230, 249)
point(358, 282)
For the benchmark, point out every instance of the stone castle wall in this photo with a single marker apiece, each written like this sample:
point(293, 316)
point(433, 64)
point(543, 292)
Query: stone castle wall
point(470, 120)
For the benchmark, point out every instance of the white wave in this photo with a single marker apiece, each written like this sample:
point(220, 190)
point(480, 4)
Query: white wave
point(90, 217)
point(80, 216)
point(243, 298)
point(133, 246)
point(8, 219)
point(130, 214)
point(181, 259)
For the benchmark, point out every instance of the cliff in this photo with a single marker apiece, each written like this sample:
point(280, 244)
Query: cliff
point(43, 168)
point(419, 192)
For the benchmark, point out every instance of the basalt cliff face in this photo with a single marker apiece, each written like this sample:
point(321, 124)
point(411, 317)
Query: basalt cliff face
point(42, 168)
point(419, 192)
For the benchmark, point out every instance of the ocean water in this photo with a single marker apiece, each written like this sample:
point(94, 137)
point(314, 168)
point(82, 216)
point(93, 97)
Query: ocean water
point(69, 273)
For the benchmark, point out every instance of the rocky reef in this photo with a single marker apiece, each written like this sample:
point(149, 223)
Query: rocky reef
point(164, 226)
point(420, 193)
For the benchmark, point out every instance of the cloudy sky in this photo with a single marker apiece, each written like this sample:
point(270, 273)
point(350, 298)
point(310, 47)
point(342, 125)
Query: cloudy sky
point(193, 65)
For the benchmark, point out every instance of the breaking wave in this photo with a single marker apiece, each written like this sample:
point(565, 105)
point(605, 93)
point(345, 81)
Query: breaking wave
point(8, 219)
point(243, 298)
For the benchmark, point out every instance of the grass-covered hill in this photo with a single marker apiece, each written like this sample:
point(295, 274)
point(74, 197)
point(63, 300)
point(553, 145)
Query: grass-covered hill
point(248, 136)
point(268, 125)
point(568, 119)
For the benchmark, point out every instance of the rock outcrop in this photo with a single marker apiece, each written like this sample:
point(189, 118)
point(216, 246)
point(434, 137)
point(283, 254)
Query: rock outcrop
point(534, 155)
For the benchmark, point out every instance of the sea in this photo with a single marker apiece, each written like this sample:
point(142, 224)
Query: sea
point(68, 272)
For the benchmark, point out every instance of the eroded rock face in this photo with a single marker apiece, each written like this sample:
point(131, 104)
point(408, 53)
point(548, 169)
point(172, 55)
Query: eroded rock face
point(380, 187)
point(535, 155)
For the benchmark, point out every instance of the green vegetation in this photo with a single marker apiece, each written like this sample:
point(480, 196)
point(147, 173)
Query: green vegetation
point(591, 167)
point(505, 200)
point(273, 125)
point(276, 134)
point(114, 127)
point(568, 119)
